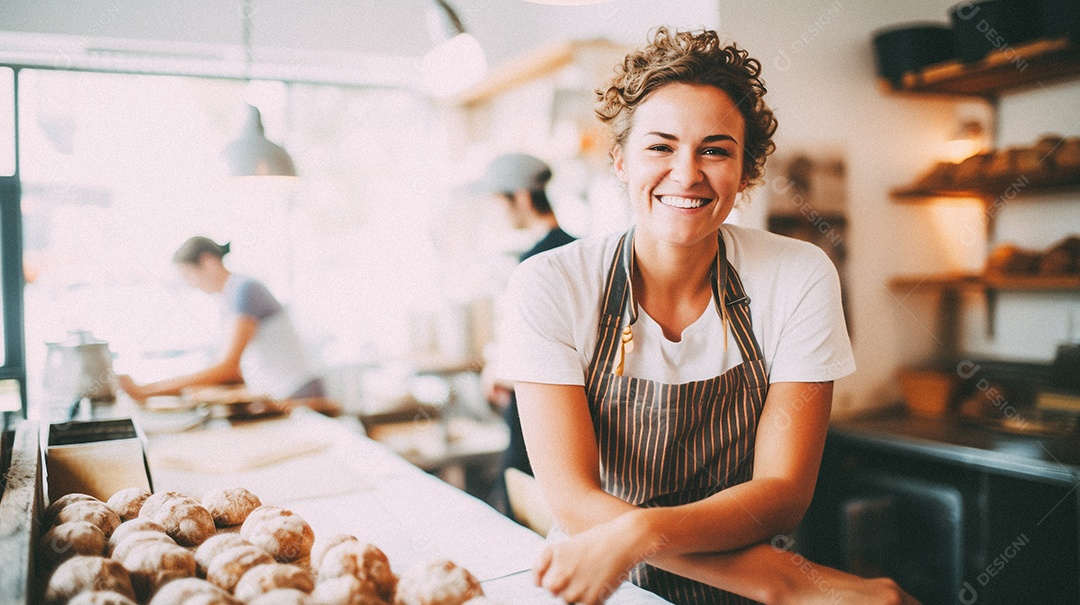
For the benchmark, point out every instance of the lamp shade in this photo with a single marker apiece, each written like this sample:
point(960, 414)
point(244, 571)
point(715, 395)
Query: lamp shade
point(252, 154)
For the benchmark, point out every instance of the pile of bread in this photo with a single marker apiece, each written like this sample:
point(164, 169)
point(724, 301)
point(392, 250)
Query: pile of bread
point(229, 548)
point(1059, 260)
point(1050, 160)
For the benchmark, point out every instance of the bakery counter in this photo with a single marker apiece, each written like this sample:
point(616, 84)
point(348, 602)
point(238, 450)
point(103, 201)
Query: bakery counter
point(340, 481)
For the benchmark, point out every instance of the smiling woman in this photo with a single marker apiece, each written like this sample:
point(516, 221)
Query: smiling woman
point(675, 381)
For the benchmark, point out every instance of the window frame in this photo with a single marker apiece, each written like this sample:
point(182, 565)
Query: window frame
point(11, 271)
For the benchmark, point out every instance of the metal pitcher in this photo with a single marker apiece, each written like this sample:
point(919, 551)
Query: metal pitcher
point(79, 367)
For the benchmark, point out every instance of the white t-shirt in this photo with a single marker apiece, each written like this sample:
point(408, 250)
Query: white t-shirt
point(273, 363)
point(553, 307)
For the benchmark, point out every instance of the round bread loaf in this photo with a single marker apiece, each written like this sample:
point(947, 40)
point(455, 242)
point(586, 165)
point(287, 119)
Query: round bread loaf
point(153, 504)
point(346, 590)
point(84, 574)
point(230, 506)
point(94, 511)
point(437, 583)
point(282, 596)
point(152, 564)
point(280, 532)
point(185, 520)
point(100, 597)
point(365, 562)
point(68, 540)
point(271, 576)
point(128, 502)
point(226, 569)
point(192, 591)
point(55, 507)
point(322, 545)
point(125, 546)
point(128, 528)
point(213, 547)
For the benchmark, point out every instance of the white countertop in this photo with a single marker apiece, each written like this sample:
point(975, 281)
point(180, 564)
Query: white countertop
point(326, 471)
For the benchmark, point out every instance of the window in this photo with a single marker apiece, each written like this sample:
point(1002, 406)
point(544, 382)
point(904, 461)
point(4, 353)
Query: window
point(117, 170)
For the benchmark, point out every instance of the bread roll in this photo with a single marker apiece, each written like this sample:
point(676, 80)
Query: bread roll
point(345, 590)
point(83, 574)
point(226, 569)
point(94, 511)
point(280, 532)
point(282, 596)
point(128, 502)
point(437, 583)
point(51, 511)
point(322, 545)
point(100, 597)
point(130, 527)
point(121, 550)
point(185, 520)
point(153, 504)
point(365, 562)
point(152, 564)
point(192, 591)
point(69, 539)
point(230, 506)
point(213, 547)
point(270, 576)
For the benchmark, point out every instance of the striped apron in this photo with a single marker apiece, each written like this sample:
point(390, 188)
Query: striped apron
point(670, 444)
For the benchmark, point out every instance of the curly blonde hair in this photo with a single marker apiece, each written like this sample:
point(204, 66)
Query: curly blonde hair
point(692, 57)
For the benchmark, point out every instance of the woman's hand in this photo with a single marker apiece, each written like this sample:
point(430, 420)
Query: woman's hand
point(811, 584)
point(590, 566)
point(129, 386)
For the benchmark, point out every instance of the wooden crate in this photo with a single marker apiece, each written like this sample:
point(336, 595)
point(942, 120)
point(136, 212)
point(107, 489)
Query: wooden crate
point(19, 508)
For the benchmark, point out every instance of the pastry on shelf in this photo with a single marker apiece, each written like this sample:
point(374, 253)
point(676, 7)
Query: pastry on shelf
point(1062, 258)
point(1067, 156)
point(941, 176)
point(970, 171)
point(1010, 259)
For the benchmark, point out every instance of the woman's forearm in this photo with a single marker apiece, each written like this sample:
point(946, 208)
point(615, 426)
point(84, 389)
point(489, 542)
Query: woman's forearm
point(216, 374)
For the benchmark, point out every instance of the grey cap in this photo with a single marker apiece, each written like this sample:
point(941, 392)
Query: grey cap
point(513, 171)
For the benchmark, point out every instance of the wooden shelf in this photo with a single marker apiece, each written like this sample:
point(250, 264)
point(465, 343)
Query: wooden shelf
point(1013, 187)
point(976, 281)
point(1013, 68)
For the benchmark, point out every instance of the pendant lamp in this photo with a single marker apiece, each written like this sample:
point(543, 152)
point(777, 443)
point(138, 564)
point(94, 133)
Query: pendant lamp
point(252, 154)
point(457, 60)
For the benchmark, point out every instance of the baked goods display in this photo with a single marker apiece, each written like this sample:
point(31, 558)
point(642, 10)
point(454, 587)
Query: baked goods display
point(437, 583)
point(1062, 259)
point(84, 574)
point(365, 562)
point(94, 511)
point(230, 506)
point(100, 597)
point(1051, 160)
point(184, 518)
point(171, 549)
point(189, 591)
point(213, 547)
point(271, 576)
point(282, 596)
point(130, 527)
point(280, 532)
point(128, 502)
point(68, 540)
point(226, 569)
point(152, 564)
point(346, 590)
